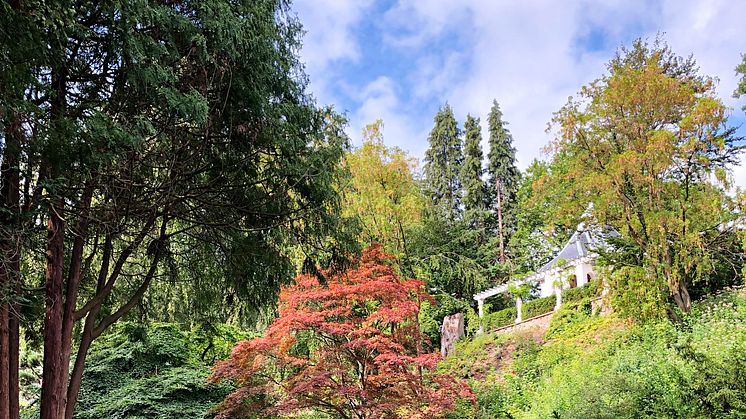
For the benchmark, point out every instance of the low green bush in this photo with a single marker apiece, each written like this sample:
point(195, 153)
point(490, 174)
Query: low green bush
point(539, 306)
point(568, 316)
point(155, 371)
point(589, 290)
point(605, 367)
point(500, 318)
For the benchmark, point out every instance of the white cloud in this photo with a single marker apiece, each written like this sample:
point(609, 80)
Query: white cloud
point(380, 100)
point(529, 55)
point(330, 26)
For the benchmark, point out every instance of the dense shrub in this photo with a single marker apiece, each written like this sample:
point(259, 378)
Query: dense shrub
point(638, 295)
point(539, 306)
point(154, 372)
point(500, 318)
point(569, 315)
point(590, 290)
point(604, 367)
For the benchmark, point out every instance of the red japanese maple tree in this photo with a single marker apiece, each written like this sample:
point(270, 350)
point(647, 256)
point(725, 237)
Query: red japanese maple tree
point(352, 348)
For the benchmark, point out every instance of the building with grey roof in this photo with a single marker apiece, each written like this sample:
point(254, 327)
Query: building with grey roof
point(573, 266)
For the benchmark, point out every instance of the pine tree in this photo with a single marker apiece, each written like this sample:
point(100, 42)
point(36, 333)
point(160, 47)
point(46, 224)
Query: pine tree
point(442, 165)
point(475, 189)
point(504, 175)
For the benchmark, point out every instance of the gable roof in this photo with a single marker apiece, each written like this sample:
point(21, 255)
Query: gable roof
point(583, 242)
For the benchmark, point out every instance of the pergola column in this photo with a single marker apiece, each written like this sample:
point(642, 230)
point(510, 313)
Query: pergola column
point(558, 294)
point(519, 309)
point(580, 274)
point(480, 303)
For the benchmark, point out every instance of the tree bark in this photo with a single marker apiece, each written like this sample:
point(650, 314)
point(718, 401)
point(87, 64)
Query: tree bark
point(4, 359)
point(682, 298)
point(14, 346)
point(53, 378)
point(76, 378)
point(10, 268)
point(73, 281)
point(500, 232)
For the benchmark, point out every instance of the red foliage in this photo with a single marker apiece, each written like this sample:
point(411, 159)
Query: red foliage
point(352, 348)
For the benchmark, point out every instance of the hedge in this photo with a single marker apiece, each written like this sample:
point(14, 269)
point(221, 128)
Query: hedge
point(500, 318)
point(589, 290)
point(540, 306)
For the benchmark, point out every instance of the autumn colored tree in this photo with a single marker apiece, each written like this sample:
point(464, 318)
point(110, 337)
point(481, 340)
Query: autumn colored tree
point(383, 194)
point(352, 349)
point(645, 143)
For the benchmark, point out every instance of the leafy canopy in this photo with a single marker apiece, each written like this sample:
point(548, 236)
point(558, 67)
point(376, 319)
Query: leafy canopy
point(351, 349)
point(643, 143)
point(383, 193)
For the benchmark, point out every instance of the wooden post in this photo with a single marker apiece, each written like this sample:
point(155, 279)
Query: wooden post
point(519, 310)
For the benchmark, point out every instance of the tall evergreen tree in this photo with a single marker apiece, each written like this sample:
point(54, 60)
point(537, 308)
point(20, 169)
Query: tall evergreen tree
point(475, 189)
point(504, 175)
point(741, 89)
point(442, 165)
point(144, 134)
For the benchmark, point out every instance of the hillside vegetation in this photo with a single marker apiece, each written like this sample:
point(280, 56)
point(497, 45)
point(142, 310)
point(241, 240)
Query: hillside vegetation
point(604, 367)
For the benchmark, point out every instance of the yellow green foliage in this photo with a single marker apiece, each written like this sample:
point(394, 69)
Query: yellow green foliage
point(383, 192)
point(593, 366)
point(643, 143)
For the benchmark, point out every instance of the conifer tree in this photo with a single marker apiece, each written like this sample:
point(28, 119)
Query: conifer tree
point(741, 89)
point(504, 175)
point(475, 189)
point(442, 165)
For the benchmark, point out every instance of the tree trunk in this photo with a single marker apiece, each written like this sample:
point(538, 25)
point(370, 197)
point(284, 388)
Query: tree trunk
point(500, 232)
point(76, 378)
point(53, 375)
point(682, 298)
point(14, 346)
point(94, 327)
point(73, 281)
point(4, 359)
point(10, 268)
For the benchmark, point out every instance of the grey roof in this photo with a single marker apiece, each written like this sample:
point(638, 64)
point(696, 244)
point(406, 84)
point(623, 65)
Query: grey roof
point(584, 241)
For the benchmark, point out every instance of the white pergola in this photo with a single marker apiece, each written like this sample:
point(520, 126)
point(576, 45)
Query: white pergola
point(576, 258)
point(551, 281)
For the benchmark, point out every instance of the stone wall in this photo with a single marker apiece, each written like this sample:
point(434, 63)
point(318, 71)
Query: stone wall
point(538, 322)
point(542, 321)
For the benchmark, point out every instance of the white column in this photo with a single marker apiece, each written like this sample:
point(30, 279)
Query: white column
point(481, 315)
point(605, 287)
point(519, 309)
point(558, 292)
point(580, 277)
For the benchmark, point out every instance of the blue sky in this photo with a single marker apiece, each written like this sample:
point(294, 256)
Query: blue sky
point(400, 60)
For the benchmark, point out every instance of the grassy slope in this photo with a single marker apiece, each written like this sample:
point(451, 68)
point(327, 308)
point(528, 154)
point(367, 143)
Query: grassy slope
point(589, 366)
